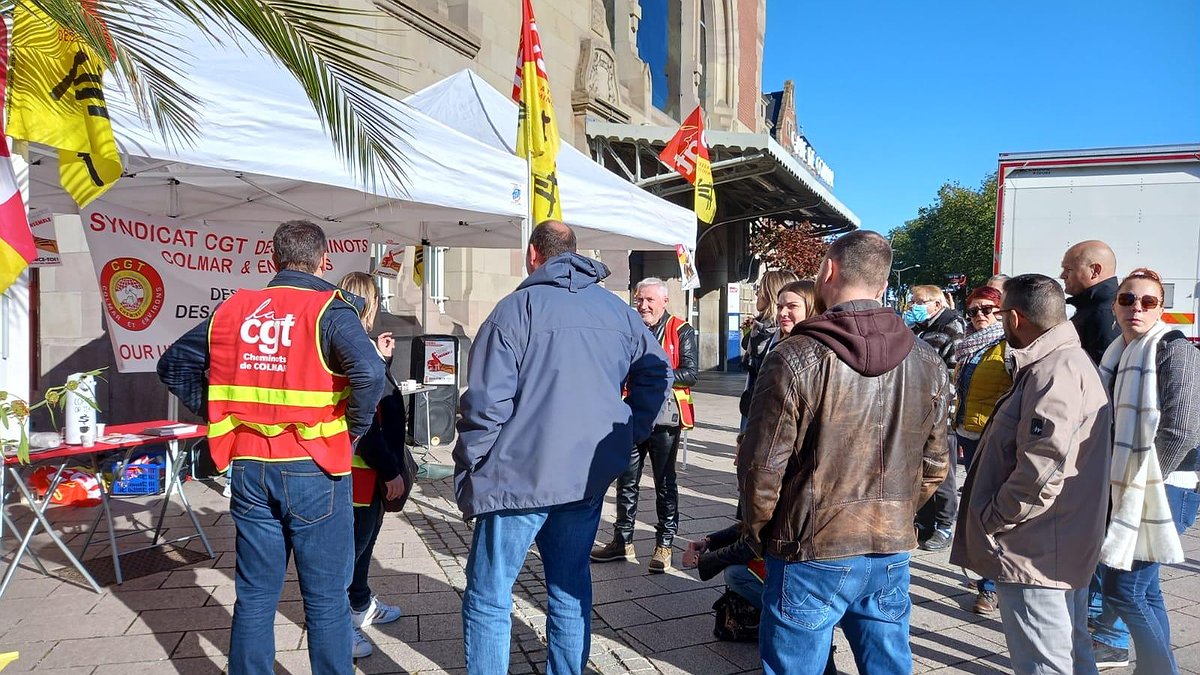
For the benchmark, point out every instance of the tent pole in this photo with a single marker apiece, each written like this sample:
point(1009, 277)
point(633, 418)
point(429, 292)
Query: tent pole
point(425, 287)
point(527, 224)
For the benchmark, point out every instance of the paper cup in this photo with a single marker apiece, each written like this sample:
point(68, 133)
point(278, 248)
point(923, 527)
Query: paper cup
point(99, 429)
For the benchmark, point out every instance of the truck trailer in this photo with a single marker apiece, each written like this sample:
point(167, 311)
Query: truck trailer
point(1144, 202)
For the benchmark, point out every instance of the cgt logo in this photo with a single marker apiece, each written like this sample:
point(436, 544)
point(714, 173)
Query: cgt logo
point(263, 329)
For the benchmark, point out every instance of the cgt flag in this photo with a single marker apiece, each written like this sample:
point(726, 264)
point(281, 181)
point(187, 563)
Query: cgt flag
point(537, 131)
point(58, 100)
point(687, 153)
point(17, 248)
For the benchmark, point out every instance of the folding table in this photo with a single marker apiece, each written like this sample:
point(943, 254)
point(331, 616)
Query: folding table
point(124, 439)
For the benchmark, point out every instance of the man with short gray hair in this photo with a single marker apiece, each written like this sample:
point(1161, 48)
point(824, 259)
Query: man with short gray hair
point(678, 339)
point(1036, 494)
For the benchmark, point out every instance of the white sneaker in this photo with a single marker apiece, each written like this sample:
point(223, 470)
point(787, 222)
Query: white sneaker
point(376, 613)
point(362, 646)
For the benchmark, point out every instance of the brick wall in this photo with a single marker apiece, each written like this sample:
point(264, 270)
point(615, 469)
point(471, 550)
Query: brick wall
point(751, 24)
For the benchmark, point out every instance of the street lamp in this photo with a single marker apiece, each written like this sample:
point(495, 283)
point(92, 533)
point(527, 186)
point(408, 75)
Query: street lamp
point(898, 270)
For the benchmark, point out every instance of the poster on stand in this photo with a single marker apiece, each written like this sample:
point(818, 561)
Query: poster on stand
point(440, 362)
point(44, 240)
point(392, 262)
point(161, 276)
point(688, 273)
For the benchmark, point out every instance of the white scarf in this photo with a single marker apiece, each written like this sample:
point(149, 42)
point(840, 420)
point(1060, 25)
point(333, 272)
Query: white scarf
point(1141, 527)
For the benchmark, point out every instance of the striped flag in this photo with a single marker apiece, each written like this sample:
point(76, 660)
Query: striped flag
point(57, 99)
point(687, 153)
point(16, 239)
point(537, 130)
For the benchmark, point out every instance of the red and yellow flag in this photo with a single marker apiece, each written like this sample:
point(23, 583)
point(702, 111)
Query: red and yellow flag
point(687, 153)
point(16, 240)
point(537, 130)
point(57, 99)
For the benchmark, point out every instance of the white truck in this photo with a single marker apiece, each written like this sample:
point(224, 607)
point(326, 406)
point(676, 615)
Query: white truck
point(1144, 202)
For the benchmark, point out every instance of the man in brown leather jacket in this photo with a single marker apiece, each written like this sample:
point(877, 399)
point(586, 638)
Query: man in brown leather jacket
point(846, 438)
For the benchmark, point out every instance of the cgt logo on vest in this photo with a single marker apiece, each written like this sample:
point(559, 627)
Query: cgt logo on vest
point(268, 333)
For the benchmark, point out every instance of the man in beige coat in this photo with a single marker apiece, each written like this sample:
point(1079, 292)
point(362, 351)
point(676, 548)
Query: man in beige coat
point(1036, 494)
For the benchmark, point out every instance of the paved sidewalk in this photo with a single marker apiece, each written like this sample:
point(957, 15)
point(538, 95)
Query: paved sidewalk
point(178, 621)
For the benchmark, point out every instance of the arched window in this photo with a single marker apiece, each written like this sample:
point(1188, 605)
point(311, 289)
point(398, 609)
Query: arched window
point(658, 47)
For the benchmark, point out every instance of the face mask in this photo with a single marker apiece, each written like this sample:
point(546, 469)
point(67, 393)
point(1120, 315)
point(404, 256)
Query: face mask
point(915, 314)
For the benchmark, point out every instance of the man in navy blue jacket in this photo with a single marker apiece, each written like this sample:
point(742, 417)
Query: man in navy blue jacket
point(544, 432)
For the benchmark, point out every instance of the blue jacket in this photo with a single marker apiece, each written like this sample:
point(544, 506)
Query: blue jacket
point(348, 350)
point(543, 422)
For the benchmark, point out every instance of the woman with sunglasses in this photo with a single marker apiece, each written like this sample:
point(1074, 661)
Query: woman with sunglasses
point(1153, 375)
point(980, 379)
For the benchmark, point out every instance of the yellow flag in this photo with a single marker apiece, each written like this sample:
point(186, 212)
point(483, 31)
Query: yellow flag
point(56, 99)
point(537, 130)
point(418, 273)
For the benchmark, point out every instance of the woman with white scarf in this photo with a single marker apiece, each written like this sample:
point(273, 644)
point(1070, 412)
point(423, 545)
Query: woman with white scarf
point(1153, 375)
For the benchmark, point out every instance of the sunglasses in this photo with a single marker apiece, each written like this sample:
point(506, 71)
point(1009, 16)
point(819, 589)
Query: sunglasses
point(1148, 301)
point(986, 310)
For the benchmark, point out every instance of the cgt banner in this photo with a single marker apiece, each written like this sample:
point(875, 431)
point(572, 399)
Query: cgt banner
point(159, 276)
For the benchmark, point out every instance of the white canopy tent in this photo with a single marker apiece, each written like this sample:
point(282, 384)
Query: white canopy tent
point(262, 157)
point(607, 211)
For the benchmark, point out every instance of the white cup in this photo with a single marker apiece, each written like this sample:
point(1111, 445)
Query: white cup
point(88, 440)
point(99, 430)
point(410, 384)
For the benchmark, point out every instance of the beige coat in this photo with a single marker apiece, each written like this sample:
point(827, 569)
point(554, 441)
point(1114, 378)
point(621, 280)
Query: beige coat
point(1036, 495)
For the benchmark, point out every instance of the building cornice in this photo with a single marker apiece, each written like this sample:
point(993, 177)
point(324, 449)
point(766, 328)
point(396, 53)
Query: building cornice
point(434, 26)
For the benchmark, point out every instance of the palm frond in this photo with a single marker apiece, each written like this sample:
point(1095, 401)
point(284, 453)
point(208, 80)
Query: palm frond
point(337, 73)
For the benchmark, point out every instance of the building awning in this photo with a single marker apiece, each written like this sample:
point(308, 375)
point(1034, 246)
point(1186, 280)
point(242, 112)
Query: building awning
point(755, 176)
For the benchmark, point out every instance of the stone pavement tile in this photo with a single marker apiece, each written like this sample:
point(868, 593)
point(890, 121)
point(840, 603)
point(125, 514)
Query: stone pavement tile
point(707, 511)
point(674, 633)
point(172, 620)
point(986, 666)
point(31, 654)
point(171, 598)
point(940, 615)
point(618, 569)
point(201, 575)
point(443, 602)
point(47, 627)
point(36, 587)
point(990, 630)
point(695, 659)
point(939, 649)
point(440, 626)
point(677, 581)
point(215, 641)
point(14, 609)
point(434, 656)
point(624, 614)
point(1188, 658)
point(744, 655)
point(1185, 629)
point(120, 649)
point(616, 590)
point(197, 666)
point(404, 629)
point(686, 603)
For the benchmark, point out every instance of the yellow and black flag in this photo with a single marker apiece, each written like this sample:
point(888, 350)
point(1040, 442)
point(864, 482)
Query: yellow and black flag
point(56, 98)
point(537, 130)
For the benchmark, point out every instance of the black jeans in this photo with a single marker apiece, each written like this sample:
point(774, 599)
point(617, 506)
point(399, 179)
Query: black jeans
point(367, 522)
point(661, 447)
point(942, 507)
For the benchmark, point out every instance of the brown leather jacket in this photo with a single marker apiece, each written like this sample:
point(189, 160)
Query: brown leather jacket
point(846, 437)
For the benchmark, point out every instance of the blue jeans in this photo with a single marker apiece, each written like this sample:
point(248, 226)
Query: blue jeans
point(740, 580)
point(281, 509)
point(368, 520)
point(1135, 596)
point(564, 535)
point(803, 601)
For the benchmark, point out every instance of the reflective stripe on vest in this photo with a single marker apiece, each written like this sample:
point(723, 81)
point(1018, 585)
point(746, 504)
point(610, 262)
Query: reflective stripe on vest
point(270, 390)
point(683, 395)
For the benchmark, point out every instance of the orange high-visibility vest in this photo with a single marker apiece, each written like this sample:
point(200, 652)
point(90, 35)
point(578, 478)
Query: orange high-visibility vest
point(271, 396)
point(683, 395)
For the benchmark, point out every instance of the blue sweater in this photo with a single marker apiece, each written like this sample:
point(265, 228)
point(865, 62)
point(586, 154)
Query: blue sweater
point(543, 421)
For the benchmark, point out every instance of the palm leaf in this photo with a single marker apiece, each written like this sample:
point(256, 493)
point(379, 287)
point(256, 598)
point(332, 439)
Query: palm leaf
point(336, 72)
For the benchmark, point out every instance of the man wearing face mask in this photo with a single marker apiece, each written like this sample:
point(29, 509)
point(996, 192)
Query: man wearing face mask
point(941, 328)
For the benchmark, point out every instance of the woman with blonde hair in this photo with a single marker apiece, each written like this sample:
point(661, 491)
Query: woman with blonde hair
point(1153, 376)
point(762, 331)
point(376, 474)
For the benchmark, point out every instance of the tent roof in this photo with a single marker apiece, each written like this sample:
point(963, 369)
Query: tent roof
point(607, 211)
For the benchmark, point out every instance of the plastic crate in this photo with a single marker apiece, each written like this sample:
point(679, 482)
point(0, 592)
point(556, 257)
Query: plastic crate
point(139, 479)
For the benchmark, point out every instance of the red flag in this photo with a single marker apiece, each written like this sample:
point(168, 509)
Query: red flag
point(687, 153)
point(16, 239)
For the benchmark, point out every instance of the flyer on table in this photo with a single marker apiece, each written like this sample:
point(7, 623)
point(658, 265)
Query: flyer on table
point(161, 276)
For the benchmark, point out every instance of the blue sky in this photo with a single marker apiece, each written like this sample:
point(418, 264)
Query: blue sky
point(899, 98)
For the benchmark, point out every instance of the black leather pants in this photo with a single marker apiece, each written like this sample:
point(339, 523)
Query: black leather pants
point(661, 447)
